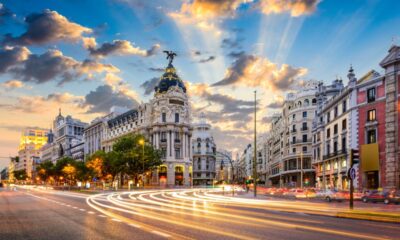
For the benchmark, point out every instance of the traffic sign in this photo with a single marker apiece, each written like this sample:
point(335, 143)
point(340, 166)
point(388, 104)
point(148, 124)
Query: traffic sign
point(352, 173)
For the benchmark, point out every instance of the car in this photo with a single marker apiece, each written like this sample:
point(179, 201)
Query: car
point(392, 197)
point(295, 192)
point(375, 196)
point(331, 195)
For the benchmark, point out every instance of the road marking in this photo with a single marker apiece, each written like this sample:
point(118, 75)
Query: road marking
point(134, 225)
point(116, 220)
point(102, 216)
point(90, 212)
point(76, 207)
point(69, 205)
point(161, 233)
point(82, 209)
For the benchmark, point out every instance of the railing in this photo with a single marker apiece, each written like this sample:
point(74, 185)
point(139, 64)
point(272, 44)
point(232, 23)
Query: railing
point(304, 129)
point(163, 140)
point(177, 141)
point(301, 141)
point(333, 154)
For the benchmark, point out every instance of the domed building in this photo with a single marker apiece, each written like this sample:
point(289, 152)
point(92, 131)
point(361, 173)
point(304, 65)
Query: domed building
point(166, 123)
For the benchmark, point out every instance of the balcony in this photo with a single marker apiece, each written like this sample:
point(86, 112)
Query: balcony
point(177, 141)
point(335, 154)
point(293, 131)
point(309, 140)
point(304, 128)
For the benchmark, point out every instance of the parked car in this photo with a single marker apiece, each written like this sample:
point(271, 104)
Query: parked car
point(392, 197)
point(331, 195)
point(375, 196)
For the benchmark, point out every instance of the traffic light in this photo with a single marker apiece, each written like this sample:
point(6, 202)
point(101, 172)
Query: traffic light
point(355, 156)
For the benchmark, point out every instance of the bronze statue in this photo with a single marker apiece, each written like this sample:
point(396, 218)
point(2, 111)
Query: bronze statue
point(170, 56)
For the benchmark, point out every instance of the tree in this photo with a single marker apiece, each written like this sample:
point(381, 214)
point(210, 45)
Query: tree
point(136, 158)
point(20, 174)
point(45, 170)
point(95, 164)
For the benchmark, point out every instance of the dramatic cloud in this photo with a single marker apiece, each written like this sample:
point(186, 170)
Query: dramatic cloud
point(211, 8)
point(112, 79)
point(16, 128)
point(104, 97)
point(48, 27)
point(209, 59)
point(10, 56)
point(277, 103)
point(149, 85)
point(118, 47)
point(12, 84)
point(254, 71)
point(294, 7)
point(49, 66)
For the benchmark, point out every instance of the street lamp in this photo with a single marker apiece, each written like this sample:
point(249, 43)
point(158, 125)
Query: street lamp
point(141, 142)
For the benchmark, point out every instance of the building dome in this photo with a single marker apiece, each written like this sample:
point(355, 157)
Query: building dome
point(169, 79)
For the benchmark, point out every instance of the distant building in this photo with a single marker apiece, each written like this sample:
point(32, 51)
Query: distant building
point(224, 166)
point(204, 153)
point(31, 141)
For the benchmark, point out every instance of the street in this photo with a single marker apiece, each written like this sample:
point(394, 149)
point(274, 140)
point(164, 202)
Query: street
point(179, 214)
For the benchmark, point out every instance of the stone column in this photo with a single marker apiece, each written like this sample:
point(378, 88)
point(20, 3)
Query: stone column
point(168, 144)
point(186, 175)
point(183, 139)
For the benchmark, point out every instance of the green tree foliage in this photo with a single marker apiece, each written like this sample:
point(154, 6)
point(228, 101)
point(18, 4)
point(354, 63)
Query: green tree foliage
point(45, 170)
point(20, 174)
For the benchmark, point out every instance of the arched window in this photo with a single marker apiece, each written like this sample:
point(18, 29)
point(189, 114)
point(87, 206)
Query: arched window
point(306, 102)
point(314, 101)
point(299, 104)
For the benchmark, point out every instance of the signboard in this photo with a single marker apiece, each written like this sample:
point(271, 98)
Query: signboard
point(351, 173)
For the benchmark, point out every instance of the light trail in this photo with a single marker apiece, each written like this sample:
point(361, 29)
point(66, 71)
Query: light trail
point(190, 209)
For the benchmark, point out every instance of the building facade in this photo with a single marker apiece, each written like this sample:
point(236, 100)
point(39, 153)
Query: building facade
point(31, 141)
point(204, 153)
point(224, 166)
point(371, 103)
point(166, 124)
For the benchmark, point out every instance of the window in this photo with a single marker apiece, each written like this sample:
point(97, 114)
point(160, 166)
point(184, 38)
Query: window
point(304, 114)
point(304, 126)
point(163, 136)
point(328, 149)
point(371, 136)
point(294, 116)
point(176, 117)
point(344, 106)
point(344, 124)
point(336, 111)
point(344, 144)
point(304, 149)
point(328, 117)
point(163, 117)
point(177, 152)
point(305, 138)
point(335, 129)
point(294, 128)
point(163, 152)
point(371, 95)
point(371, 115)
point(335, 146)
point(294, 150)
point(294, 140)
point(328, 133)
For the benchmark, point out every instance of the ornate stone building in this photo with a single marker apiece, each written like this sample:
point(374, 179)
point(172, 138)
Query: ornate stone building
point(166, 124)
point(204, 154)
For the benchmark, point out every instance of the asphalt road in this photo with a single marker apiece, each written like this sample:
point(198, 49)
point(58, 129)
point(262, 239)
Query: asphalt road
point(177, 214)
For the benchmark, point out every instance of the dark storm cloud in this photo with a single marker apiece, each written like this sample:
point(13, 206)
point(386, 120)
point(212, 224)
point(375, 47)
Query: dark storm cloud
point(209, 59)
point(149, 85)
point(275, 105)
point(234, 54)
point(104, 97)
point(47, 27)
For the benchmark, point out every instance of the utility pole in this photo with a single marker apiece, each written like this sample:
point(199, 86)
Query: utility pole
point(255, 145)
point(354, 159)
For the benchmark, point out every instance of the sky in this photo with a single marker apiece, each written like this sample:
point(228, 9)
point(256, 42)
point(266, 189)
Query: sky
point(84, 56)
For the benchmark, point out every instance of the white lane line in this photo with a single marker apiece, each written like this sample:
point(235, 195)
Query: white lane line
point(134, 225)
point(161, 233)
point(82, 209)
point(102, 216)
point(116, 220)
point(75, 207)
point(90, 212)
point(69, 205)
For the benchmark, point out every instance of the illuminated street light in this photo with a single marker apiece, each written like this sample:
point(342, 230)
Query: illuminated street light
point(142, 142)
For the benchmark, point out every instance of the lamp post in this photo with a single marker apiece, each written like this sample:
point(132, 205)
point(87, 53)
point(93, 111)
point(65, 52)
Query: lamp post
point(255, 145)
point(141, 142)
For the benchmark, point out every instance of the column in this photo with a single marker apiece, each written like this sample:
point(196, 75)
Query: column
point(183, 144)
point(168, 144)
